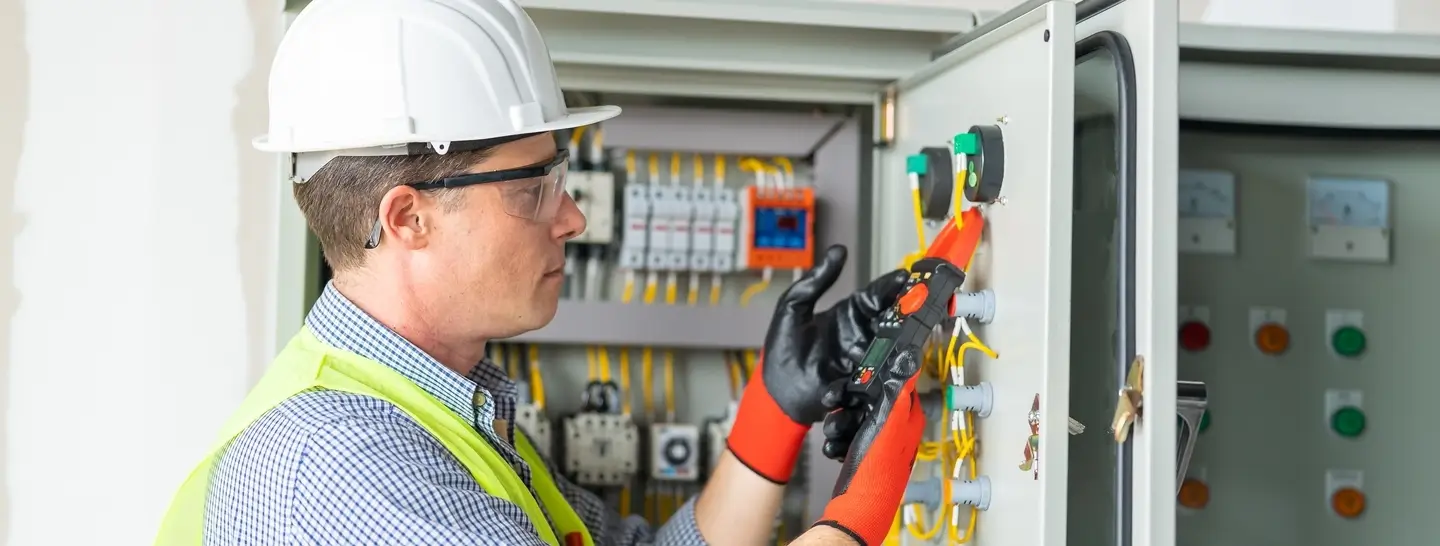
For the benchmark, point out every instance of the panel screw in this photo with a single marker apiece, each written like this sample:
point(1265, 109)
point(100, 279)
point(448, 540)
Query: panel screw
point(1047, 34)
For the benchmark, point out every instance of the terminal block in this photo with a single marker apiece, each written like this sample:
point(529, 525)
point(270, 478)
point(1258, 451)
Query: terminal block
point(601, 449)
point(674, 452)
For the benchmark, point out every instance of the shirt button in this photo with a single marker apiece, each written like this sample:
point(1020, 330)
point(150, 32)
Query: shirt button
point(479, 398)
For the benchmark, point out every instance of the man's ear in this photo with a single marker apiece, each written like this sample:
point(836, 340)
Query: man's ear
point(405, 217)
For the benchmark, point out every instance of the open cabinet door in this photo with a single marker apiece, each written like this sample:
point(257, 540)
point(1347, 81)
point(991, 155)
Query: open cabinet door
point(1014, 80)
point(1122, 492)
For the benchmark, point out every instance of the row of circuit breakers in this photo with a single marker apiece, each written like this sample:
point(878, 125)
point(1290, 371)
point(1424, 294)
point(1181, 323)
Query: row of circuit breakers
point(684, 218)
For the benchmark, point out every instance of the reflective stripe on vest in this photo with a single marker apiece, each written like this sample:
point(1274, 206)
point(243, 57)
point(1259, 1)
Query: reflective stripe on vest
point(307, 363)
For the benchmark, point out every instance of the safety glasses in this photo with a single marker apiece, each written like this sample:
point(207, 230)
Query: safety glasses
point(530, 193)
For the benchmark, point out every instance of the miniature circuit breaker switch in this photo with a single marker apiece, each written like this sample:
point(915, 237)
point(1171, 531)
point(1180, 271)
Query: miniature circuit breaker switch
point(674, 452)
point(778, 229)
point(727, 215)
point(702, 229)
point(601, 449)
point(682, 213)
point(663, 209)
point(634, 239)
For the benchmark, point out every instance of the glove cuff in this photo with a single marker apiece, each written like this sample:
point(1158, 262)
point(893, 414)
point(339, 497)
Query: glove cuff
point(862, 541)
point(764, 438)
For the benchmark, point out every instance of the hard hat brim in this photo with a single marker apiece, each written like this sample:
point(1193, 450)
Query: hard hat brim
point(574, 117)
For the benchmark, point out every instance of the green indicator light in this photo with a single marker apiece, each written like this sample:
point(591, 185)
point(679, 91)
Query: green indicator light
point(1204, 420)
point(950, 398)
point(917, 164)
point(967, 143)
point(970, 178)
point(1348, 341)
point(1348, 421)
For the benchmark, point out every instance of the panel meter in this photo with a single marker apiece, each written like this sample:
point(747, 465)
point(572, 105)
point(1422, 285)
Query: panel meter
point(674, 452)
point(1349, 219)
point(1207, 212)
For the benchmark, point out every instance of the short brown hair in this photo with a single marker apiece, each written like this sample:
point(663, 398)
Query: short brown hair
point(341, 200)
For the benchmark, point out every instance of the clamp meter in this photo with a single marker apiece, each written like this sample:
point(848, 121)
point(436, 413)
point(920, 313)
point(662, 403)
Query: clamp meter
point(927, 299)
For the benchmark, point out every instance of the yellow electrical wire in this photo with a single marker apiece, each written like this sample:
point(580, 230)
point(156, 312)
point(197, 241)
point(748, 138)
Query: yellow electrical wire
point(669, 385)
point(787, 166)
point(511, 360)
point(625, 501)
point(893, 538)
point(537, 386)
point(576, 136)
point(654, 165)
point(604, 354)
point(647, 385)
point(594, 363)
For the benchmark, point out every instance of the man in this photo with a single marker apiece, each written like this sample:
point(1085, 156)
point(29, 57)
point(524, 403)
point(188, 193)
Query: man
point(426, 165)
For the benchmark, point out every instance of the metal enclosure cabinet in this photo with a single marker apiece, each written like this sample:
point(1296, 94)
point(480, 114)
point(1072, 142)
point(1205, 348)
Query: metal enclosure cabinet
point(1019, 72)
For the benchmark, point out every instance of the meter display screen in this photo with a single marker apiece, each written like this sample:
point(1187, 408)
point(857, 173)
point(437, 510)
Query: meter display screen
point(876, 355)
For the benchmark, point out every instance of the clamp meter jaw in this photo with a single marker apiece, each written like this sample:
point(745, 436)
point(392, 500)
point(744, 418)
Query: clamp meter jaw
point(922, 305)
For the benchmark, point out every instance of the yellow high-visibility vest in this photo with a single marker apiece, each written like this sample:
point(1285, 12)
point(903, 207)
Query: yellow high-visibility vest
point(307, 363)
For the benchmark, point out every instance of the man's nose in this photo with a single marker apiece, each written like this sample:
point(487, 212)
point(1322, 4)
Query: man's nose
point(569, 221)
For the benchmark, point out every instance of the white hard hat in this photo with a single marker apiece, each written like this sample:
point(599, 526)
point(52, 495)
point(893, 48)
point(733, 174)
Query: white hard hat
point(380, 77)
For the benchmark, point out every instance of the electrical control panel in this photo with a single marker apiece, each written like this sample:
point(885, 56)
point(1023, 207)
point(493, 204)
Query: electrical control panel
point(1305, 336)
point(675, 452)
point(601, 449)
point(536, 426)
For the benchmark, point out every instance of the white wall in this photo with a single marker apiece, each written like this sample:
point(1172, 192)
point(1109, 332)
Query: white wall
point(137, 297)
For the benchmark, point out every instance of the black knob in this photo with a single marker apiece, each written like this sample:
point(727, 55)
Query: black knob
point(676, 451)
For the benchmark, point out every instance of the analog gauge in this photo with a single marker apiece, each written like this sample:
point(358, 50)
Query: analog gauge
point(1207, 194)
point(1349, 203)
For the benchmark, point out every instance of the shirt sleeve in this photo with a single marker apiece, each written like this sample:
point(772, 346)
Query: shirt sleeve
point(609, 528)
point(363, 481)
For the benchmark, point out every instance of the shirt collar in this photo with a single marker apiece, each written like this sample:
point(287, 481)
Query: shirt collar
point(338, 322)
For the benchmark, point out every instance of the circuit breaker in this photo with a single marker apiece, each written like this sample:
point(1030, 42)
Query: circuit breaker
point(601, 449)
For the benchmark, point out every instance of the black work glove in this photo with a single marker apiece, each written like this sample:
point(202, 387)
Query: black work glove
point(804, 353)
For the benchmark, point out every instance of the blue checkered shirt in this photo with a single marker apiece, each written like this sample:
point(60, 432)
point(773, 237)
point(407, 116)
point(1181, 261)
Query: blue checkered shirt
point(327, 467)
